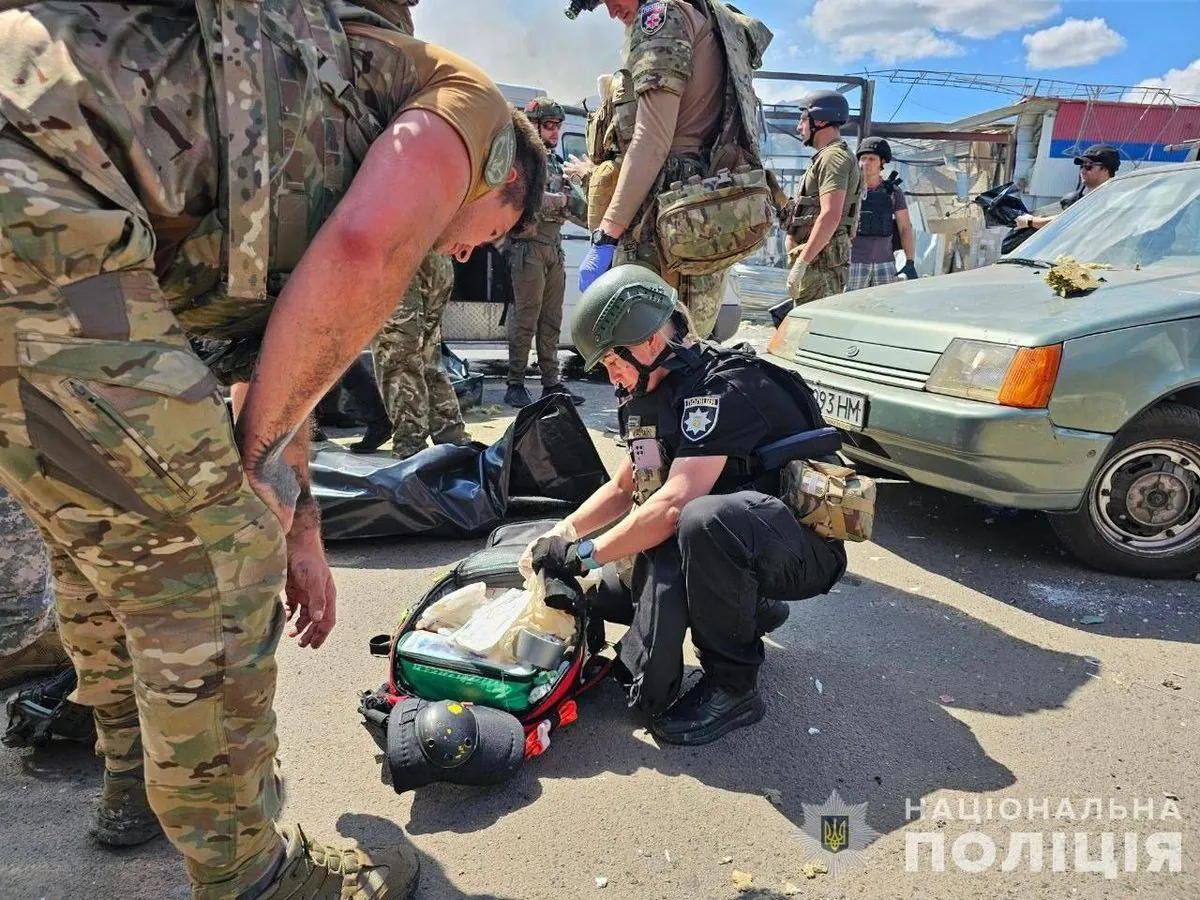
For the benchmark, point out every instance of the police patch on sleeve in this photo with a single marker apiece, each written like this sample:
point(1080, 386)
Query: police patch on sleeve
point(652, 17)
point(699, 417)
point(500, 156)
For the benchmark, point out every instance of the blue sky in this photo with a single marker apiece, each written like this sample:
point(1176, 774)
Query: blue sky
point(1109, 41)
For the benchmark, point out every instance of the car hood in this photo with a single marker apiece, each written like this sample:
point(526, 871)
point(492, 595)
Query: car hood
point(1006, 303)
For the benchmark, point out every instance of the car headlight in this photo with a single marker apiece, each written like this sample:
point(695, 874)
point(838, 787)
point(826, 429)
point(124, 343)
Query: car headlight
point(1021, 377)
point(786, 340)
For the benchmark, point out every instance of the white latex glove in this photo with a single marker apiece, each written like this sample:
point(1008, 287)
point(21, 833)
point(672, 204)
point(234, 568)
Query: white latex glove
point(563, 529)
point(796, 275)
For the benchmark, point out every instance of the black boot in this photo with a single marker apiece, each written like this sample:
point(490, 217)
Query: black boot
point(377, 434)
point(771, 614)
point(561, 388)
point(706, 712)
point(517, 396)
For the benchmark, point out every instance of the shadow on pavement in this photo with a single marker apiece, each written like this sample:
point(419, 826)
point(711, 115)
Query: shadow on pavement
point(1015, 557)
point(886, 729)
point(378, 832)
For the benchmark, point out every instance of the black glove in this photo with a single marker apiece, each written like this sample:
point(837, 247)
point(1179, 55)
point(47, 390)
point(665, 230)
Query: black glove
point(909, 271)
point(558, 558)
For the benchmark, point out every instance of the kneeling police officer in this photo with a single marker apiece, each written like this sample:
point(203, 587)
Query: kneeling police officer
point(703, 539)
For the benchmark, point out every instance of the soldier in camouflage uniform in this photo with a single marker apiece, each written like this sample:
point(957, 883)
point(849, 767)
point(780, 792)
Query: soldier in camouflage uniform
point(667, 119)
point(538, 274)
point(416, 390)
point(145, 199)
point(29, 643)
point(824, 214)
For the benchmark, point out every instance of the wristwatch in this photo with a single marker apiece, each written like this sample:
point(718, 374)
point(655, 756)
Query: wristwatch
point(584, 549)
point(600, 237)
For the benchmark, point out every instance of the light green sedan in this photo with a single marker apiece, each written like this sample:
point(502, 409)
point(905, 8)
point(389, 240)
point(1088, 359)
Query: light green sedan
point(988, 384)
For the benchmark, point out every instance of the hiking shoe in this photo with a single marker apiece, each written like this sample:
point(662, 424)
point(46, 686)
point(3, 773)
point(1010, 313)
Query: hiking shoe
point(706, 712)
point(312, 871)
point(517, 396)
point(561, 388)
point(44, 656)
point(124, 817)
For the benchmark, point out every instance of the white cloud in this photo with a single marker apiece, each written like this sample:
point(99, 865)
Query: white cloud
point(1076, 42)
point(1184, 83)
point(526, 42)
point(893, 30)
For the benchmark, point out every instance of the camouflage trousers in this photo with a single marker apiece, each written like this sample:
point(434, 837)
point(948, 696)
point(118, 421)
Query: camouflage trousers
point(827, 274)
point(26, 599)
point(539, 286)
point(168, 568)
point(701, 294)
point(416, 390)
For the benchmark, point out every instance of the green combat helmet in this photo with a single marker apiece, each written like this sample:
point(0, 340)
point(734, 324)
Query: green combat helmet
point(624, 307)
point(542, 108)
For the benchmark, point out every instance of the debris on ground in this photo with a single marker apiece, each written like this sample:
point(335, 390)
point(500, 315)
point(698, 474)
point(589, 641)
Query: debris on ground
point(820, 687)
point(790, 890)
point(1172, 685)
point(946, 698)
point(1092, 620)
point(774, 797)
point(814, 731)
point(601, 881)
point(813, 869)
point(667, 855)
point(743, 881)
point(725, 860)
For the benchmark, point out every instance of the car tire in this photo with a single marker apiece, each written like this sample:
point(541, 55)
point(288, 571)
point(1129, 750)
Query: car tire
point(1141, 513)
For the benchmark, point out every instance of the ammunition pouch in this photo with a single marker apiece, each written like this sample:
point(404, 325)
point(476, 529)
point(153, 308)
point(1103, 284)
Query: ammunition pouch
point(835, 501)
point(804, 212)
point(705, 225)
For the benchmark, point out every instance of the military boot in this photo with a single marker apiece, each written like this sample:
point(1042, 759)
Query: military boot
point(124, 817)
point(313, 871)
point(561, 388)
point(517, 396)
point(43, 657)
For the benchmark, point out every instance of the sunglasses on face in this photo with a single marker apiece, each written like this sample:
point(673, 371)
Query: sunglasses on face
point(1087, 167)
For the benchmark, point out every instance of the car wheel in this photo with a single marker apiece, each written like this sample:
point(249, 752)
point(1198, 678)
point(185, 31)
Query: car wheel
point(1141, 514)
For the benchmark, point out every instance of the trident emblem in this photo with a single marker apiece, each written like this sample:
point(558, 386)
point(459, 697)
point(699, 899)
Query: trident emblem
point(835, 832)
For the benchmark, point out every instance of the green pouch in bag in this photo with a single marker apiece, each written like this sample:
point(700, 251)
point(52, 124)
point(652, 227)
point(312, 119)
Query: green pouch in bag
point(434, 668)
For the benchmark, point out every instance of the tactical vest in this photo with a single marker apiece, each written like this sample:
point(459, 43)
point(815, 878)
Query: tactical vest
point(547, 229)
point(807, 206)
point(877, 218)
point(290, 87)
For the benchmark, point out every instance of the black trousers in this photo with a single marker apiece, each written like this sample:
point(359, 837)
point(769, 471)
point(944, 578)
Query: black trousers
point(729, 550)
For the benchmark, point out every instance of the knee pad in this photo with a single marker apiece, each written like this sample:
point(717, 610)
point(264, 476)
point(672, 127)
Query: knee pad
point(451, 741)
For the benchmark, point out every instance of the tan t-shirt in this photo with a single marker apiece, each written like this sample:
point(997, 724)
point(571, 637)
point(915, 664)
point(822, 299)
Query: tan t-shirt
point(431, 78)
point(667, 120)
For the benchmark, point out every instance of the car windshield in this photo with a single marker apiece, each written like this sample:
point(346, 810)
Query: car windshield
point(1143, 221)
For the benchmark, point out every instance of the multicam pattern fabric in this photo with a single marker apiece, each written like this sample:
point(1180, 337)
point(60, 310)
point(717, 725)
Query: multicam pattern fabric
point(417, 392)
point(659, 54)
point(836, 502)
point(826, 275)
point(707, 225)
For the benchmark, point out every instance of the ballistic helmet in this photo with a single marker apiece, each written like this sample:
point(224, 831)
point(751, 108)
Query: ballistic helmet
point(624, 307)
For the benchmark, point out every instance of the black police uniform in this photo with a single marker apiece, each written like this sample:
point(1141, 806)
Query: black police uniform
point(733, 546)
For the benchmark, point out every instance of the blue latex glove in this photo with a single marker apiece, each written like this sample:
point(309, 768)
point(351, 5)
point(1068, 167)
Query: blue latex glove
point(599, 260)
point(909, 271)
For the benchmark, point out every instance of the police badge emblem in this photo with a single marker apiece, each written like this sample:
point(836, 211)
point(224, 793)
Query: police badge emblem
point(500, 156)
point(699, 417)
point(653, 17)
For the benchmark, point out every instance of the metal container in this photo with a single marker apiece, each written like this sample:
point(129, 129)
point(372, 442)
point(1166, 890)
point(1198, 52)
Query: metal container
point(543, 651)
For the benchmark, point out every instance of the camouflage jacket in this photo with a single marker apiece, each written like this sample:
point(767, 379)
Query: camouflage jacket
point(142, 117)
point(562, 202)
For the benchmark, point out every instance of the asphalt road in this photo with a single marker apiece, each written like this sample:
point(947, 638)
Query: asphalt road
point(951, 665)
